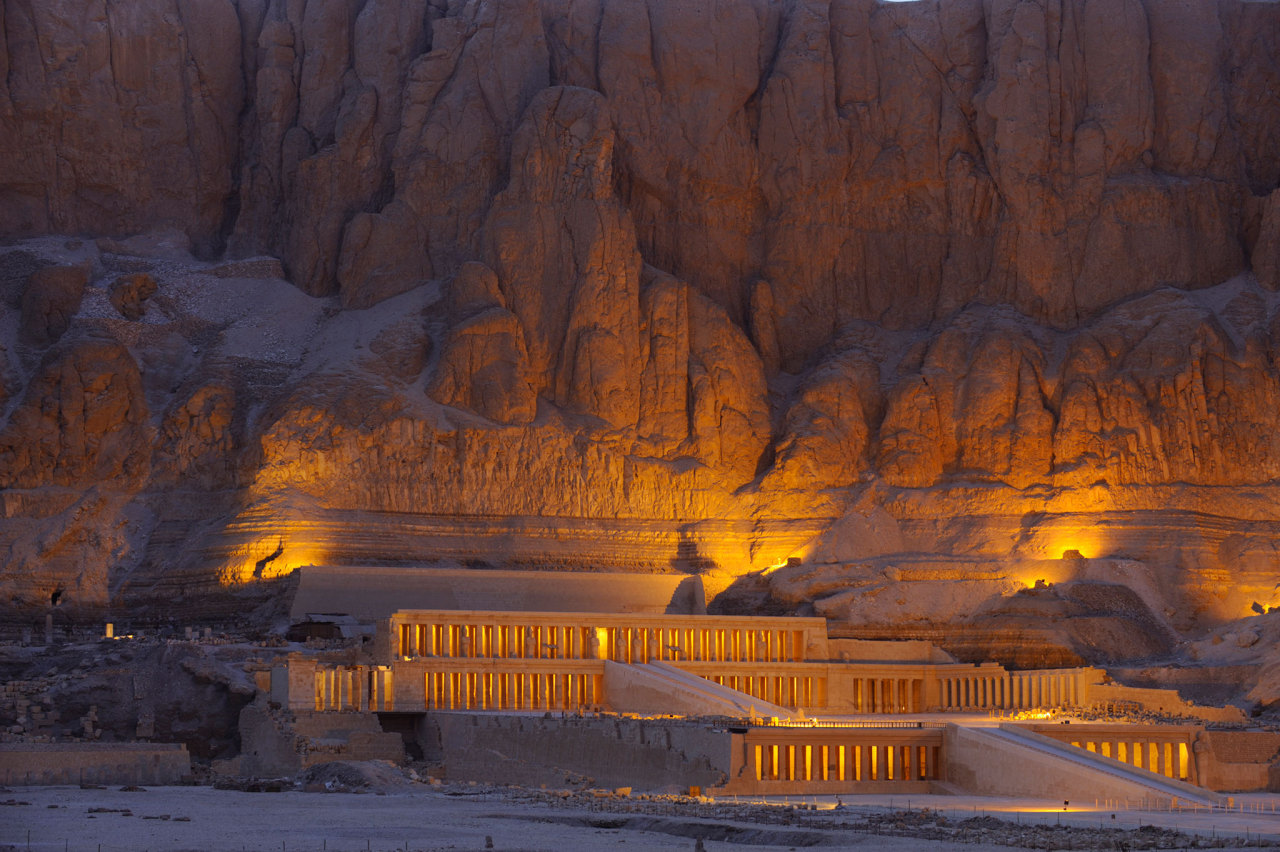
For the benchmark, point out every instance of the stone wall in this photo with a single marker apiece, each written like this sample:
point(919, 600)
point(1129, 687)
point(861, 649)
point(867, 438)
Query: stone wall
point(1164, 701)
point(566, 750)
point(1242, 761)
point(276, 742)
point(97, 763)
point(371, 592)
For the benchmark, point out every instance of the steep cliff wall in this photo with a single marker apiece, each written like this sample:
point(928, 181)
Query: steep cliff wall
point(651, 284)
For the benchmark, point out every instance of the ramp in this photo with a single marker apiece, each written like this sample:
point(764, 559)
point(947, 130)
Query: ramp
point(1012, 761)
point(661, 688)
point(1159, 785)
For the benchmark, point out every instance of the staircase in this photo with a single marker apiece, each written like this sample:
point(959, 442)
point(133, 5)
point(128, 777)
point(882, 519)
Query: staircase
point(660, 688)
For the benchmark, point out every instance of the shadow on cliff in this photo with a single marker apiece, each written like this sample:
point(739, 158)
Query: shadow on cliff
point(750, 595)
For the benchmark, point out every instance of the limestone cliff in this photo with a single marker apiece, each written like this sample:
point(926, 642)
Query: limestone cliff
point(648, 284)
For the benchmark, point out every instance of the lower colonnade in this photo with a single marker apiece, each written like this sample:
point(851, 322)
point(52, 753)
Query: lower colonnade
point(1166, 750)
point(836, 760)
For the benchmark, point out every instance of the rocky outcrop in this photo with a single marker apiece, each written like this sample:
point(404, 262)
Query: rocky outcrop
point(93, 138)
point(565, 253)
point(1266, 252)
point(52, 296)
point(974, 409)
point(702, 387)
point(484, 367)
point(197, 442)
point(82, 421)
point(1163, 391)
point(728, 407)
point(828, 430)
point(129, 292)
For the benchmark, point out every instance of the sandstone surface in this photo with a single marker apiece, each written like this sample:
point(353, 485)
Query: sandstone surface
point(649, 285)
point(129, 292)
point(49, 301)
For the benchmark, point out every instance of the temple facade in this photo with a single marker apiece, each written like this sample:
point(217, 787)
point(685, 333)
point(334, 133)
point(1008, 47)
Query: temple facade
point(537, 661)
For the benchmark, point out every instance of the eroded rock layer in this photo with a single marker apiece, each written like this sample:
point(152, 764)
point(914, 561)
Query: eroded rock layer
point(647, 285)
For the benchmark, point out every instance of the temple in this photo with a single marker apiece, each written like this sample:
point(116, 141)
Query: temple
point(744, 704)
point(450, 660)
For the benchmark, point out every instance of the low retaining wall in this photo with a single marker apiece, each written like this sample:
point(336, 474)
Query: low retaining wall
point(26, 764)
point(560, 751)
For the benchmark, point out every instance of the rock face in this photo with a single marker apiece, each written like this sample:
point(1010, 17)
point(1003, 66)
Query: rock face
point(81, 421)
point(651, 283)
point(869, 161)
point(565, 253)
point(51, 298)
point(129, 292)
point(485, 364)
point(103, 79)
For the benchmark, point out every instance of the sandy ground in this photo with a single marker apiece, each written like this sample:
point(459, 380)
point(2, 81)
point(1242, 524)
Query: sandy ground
point(202, 818)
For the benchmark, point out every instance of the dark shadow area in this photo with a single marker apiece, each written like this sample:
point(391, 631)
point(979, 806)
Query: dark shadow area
point(261, 564)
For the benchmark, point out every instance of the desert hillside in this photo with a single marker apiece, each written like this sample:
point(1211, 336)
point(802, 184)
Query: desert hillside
point(921, 296)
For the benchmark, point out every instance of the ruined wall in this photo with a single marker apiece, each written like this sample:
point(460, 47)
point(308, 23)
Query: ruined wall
point(24, 764)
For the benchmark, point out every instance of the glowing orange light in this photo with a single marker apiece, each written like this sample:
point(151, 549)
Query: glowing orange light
point(269, 558)
point(1032, 715)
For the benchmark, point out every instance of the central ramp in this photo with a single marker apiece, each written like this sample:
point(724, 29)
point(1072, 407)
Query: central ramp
point(1013, 761)
point(658, 688)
